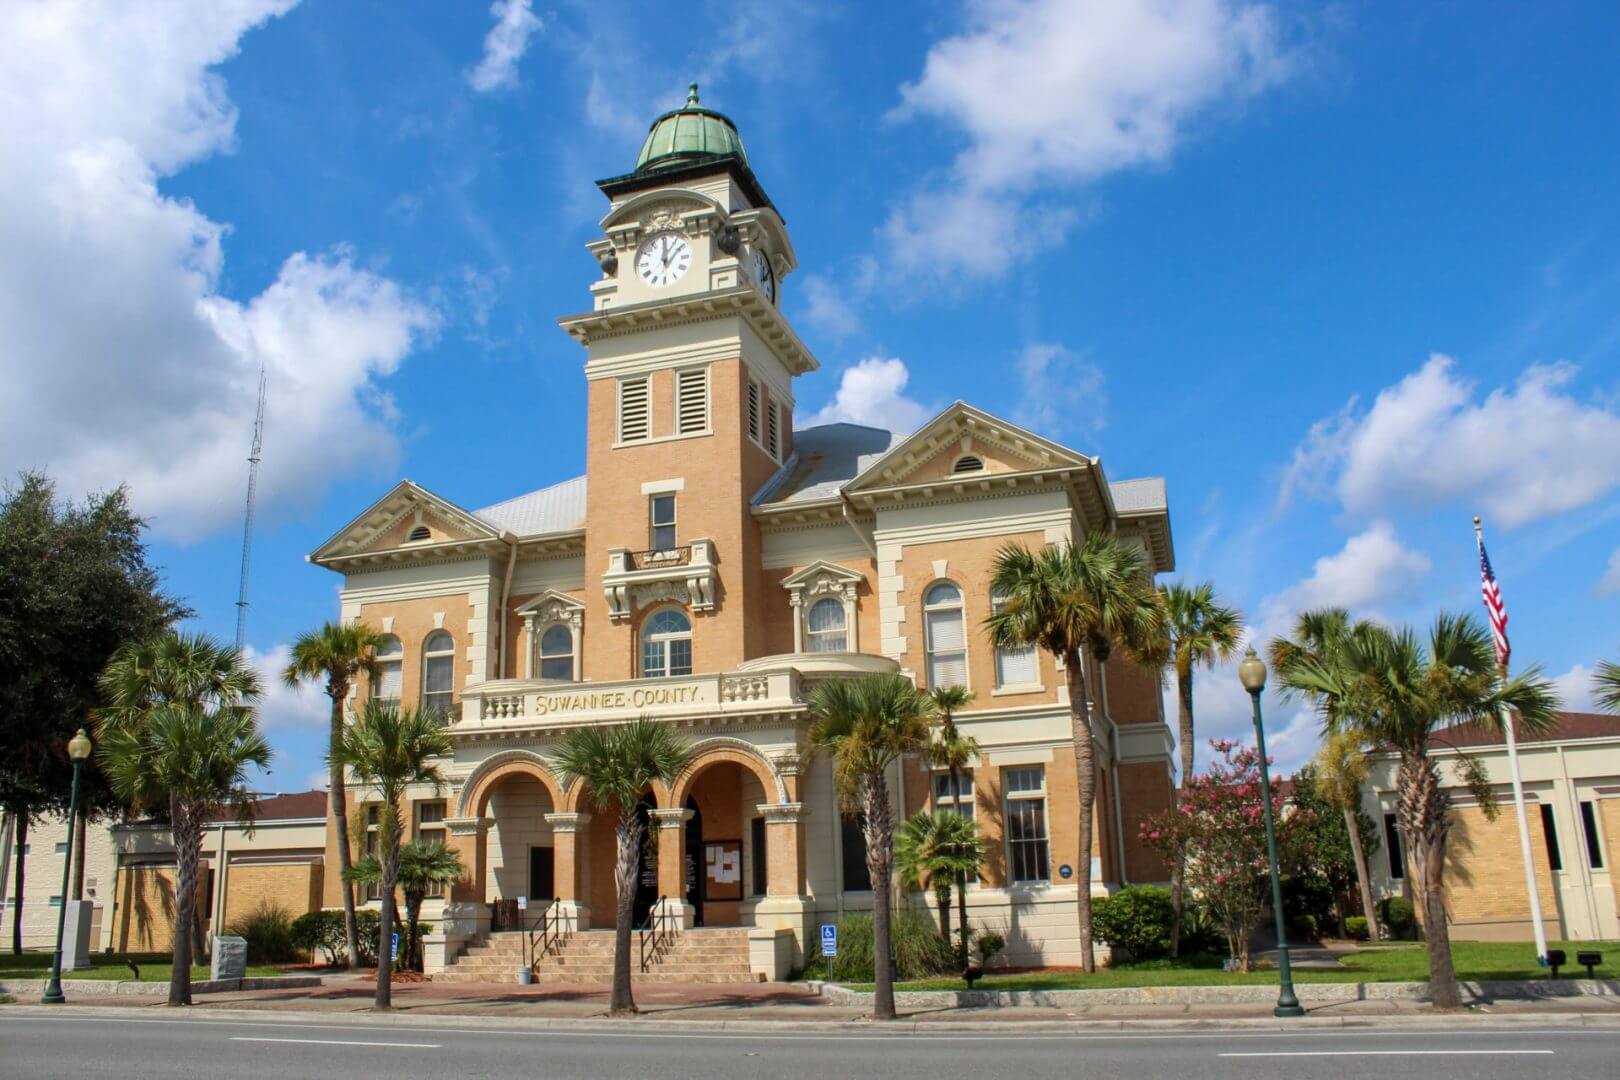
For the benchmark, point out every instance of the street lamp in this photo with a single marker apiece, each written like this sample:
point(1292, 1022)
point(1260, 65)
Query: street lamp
point(78, 750)
point(1252, 673)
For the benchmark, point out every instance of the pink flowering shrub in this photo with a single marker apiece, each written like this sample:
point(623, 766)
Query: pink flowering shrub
point(1217, 827)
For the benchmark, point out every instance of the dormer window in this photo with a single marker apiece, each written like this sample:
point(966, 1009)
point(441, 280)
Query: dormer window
point(968, 463)
point(419, 534)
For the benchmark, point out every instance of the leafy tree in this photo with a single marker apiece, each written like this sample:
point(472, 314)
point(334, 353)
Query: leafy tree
point(943, 848)
point(75, 584)
point(178, 735)
point(866, 725)
point(1078, 602)
point(1396, 689)
point(1219, 822)
point(388, 749)
point(1606, 684)
point(617, 764)
point(953, 752)
point(336, 655)
point(1346, 834)
point(424, 867)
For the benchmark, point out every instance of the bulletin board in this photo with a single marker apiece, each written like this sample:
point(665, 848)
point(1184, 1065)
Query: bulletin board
point(722, 870)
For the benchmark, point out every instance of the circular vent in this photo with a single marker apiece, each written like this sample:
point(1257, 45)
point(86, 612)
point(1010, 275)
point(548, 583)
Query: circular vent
point(968, 463)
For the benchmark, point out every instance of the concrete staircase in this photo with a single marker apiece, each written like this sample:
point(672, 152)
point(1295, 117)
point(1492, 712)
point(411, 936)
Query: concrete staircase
point(707, 955)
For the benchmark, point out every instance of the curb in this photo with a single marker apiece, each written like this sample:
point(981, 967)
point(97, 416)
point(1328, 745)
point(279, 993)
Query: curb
point(23, 988)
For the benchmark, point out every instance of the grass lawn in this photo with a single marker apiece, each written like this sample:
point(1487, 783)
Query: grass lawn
point(1475, 960)
point(155, 967)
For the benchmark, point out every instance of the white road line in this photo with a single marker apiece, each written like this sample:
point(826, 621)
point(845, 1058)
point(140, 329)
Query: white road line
point(335, 1042)
point(1380, 1053)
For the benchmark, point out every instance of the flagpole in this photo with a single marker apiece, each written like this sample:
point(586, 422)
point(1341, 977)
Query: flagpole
point(1506, 716)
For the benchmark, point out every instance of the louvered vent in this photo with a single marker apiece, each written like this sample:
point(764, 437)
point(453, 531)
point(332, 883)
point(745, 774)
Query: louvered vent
point(772, 432)
point(634, 414)
point(692, 402)
point(753, 411)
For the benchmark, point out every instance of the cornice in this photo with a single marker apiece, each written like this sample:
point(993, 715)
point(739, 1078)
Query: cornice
point(740, 300)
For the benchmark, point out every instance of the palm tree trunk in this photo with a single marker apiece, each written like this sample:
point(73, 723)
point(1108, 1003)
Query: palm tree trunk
point(17, 890)
point(413, 918)
point(942, 897)
point(1184, 698)
point(340, 816)
point(187, 834)
point(623, 1002)
point(961, 875)
point(879, 832)
point(1363, 878)
point(385, 951)
point(1085, 768)
point(1423, 809)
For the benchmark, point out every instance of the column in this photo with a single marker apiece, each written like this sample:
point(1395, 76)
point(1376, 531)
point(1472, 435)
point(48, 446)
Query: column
point(469, 837)
point(671, 826)
point(466, 915)
point(785, 909)
point(571, 841)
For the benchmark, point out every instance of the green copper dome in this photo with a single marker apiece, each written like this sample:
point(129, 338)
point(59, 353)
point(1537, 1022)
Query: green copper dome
point(687, 135)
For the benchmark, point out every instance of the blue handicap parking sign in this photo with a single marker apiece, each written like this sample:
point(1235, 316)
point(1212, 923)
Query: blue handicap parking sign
point(829, 939)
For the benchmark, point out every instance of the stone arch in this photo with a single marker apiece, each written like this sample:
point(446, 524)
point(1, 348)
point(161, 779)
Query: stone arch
point(492, 770)
point(577, 798)
point(720, 749)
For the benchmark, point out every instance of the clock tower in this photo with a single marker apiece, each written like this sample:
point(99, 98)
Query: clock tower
point(690, 368)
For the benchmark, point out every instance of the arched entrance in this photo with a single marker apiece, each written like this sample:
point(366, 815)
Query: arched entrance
point(647, 864)
point(693, 871)
point(722, 844)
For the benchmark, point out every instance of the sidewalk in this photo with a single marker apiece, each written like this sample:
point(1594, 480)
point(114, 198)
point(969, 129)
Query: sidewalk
point(797, 1005)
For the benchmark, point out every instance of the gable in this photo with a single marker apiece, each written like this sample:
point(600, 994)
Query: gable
point(390, 522)
point(932, 452)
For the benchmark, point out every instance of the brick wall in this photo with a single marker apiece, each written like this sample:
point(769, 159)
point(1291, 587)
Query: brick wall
point(1484, 874)
point(294, 887)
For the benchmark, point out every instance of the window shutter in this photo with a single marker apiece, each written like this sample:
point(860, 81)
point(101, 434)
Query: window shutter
point(692, 402)
point(947, 669)
point(945, 631)
point(634, 399)
point(772, 443)
point(753, 410)
point(1016, 666)
point(391, 681)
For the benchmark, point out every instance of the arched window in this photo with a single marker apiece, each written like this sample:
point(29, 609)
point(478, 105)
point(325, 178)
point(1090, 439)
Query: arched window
point(947, 637)
point(557, 652)
point(968, 463)
point(666, 645)
point(421, 532)
point(390, 680)
point(438, 673)
point(1015, 664)
point(826, 624)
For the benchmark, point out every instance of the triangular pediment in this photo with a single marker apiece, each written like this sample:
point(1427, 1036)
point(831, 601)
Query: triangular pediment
point(821, 574)
point(551, 605)
point(408, 518)
point(965, 442)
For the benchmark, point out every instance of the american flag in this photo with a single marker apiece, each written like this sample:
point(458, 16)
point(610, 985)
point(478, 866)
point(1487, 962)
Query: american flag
point(1494, 608)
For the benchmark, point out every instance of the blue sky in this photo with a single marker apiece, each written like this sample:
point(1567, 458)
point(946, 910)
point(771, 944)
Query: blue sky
point(1343, 275)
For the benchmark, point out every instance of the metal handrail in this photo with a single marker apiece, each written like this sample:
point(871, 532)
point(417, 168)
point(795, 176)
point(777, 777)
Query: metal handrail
point(657, 935)
point(547, 932)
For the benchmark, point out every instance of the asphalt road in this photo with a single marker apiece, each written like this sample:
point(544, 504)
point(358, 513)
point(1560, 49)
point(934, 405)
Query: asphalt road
point(80, 1046)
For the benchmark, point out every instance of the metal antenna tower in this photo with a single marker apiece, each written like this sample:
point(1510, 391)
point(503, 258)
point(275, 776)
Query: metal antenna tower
point(247, 517)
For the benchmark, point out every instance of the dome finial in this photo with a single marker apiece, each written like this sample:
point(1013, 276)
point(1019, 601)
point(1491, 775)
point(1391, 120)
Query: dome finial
point(691, 94)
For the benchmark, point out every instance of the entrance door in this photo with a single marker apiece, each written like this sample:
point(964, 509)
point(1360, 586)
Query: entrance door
point(647, 875)
point(694, 862)
point(542, 874)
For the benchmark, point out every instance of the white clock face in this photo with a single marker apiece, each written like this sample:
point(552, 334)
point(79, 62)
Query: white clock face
point(764, 275)
point(663, 259)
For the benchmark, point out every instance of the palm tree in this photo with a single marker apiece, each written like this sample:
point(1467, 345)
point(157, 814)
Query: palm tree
point(1606, 684)
point(1075, 602)
point(1341, 771)
point(424, 867)
point(336, 654)
point(942, 847)
point(388, 749)
point(1397, 690)
point(178, 735)
point(618, 764)
point(867, 725)
point(953, 752)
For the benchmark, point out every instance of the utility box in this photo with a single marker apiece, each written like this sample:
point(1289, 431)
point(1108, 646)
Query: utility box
point(76, 935)
point(230, 958)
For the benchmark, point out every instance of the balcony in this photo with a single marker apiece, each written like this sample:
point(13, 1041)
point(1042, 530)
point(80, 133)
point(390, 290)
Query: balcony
point(683, 574)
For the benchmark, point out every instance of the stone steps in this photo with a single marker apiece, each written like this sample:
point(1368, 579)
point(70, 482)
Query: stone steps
point(702, 955)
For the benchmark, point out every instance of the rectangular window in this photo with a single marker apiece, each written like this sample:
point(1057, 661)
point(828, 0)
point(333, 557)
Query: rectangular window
point(373, 890)
point(947, 645)
point(1392, 845)
point(635, 412)
point(753, 410)
point(1026, 823)
point(856, 877)
point(430, 830)
point(756, 837)
point(961, 803)
point(1549, 829)
point(56, 901)
point(692, 401)
point(61, 848)
point(1594, 843)
point(1016, 665)
point(661, 512)
point(773, 428)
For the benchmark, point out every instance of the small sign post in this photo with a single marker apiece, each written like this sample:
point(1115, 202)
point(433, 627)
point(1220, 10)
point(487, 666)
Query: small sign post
point(829, 939)
point(393, 952)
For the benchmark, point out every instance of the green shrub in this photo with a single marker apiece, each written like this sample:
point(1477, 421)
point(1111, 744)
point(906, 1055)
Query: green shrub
point(368, 924)
point(1356, 927)
point(987, 945)
point(1199, 932)
point(269, 935)
point(919, 951)
point(1397, 915)
point(321, 930)
point(1303, 927)
point(1137, 920)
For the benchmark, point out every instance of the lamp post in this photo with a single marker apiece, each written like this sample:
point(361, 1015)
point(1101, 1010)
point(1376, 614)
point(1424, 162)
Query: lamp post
point(78, 750)
point(1252, 673)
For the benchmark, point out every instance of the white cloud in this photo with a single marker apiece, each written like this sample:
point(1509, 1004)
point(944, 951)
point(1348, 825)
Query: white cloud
point(1523, 452)
point(283, 707)
point(827, 308)
point(1059, 92)
point(1373, 568)
point(504, 46)
point(1609, 583)
point(121, 360)
point(1575, 691)
point(1062, 391)
point(872, 392)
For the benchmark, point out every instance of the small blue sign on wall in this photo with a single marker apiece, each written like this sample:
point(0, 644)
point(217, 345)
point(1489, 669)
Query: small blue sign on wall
point(1065, 871)
point(829, 939)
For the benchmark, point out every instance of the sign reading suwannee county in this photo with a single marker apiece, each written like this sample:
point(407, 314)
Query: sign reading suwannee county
point(626, 698)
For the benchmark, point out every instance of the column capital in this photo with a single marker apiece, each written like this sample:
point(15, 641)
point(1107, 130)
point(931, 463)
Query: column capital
point(567, 822)
point(468, 826)
point(788, 811)
point(672, 818)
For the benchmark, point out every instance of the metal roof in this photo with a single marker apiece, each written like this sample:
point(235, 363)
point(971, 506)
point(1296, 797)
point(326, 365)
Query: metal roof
point(558, 508)
point(825, 458)
point(689, 133)
point(1139, 496)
